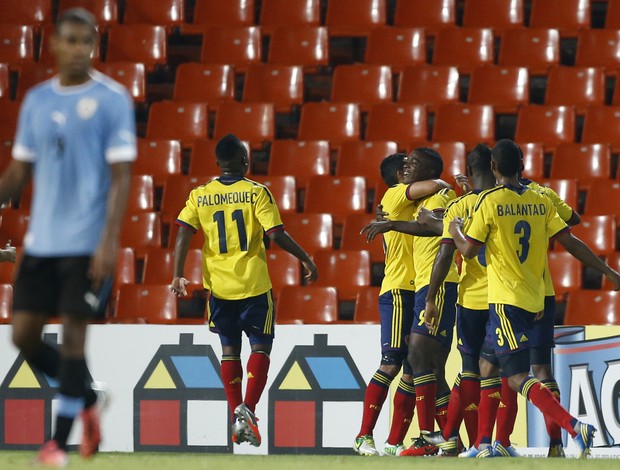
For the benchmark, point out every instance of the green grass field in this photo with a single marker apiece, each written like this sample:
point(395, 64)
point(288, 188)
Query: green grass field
point(153, 461)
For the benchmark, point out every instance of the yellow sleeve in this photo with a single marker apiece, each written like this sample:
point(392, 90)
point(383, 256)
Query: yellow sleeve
point(564, 210)
point(479, 229)
point(266, 210)
point(451, 212)
point(189, 214)
point(555, 224)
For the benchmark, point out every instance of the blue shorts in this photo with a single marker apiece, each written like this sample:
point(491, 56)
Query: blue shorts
point(446, 302)
point(471, 329)
point(542, 330)
point(510, 328)
point(230, 318)
point(396, 313)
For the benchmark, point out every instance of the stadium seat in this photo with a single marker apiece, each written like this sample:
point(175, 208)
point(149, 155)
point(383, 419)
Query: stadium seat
point(363, 158)
point(238, 46)
point(613, 261)
point(612, 18)
point(496, 14)
point(105, 11)
point(432, 15)
point(221, 13)
point(297, 13)
point(333, 263)
point(602, 124)
point(367, 306)
point(33, 13)
point(140, 43)
point(603, 198)
point(575, 86)
point(16, 45)
point(566, 273)
point(284, 270)
point(568, 16)
point(430, 85)
point(353, 241)
point(536, 49)
point(453, 155)
point(46, 57)
point(195, 242)
point(307, 305)
point(158, 158)
point(159, 267)
point(13, 226)
point(302, 159)
point(130, 74)
point(168, 13)
point(471, 124)
point(399, 122)
point(209, 83)
point(354, 17)
point(141, 194)
point(334, 122)
point(183, 121)
point(251, 122)
point(176, 192)
point(8, 270)
point(125, 271)
point(307, 47)
point(312, 231)
point(566, 189)
point(202, 160)
point(340, 195)
point(6, 303)
point(283, 189)
point(596, 231)
point(141, 303)
point(141, 231)
point(365, 85)
point(592, 307)
point(590, 164)
point(31, 74)
point(282, 85)
point(504, 87)
point(5, 92)
point(615, 99)
point(397, 47)
point(533, 160)
point(599, 48)
point(549, 125)
point(465, 48)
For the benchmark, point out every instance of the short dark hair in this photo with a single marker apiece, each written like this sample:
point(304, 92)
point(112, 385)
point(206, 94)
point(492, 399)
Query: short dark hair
point(78, 16)
point(229, 148)
point(507, 157)
point(479, 159)
point(435, 160)
point(390, 165)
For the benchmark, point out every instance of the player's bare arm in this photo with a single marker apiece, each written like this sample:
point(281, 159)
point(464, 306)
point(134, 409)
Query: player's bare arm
point(462, 182)
point(286, 242)
point(431, 219)
point(410, 227)
point(441, 267)
point(181, 247)
point(467, 249)
point(14, 179)
point(420, 189)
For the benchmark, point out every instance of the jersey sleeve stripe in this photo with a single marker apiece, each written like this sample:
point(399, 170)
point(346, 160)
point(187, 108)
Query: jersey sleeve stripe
point(124, 153)
point(277, 228)
point(485, 194)
point(562, 231)
point(181, 223)
point(447, 241)
point(473, 240)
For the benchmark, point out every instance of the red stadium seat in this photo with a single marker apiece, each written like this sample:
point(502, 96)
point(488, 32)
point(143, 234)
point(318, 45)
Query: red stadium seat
point(238, 46)
point(596, 231)
point(334, 122)
point(183, 121)
point(430, 85)
point(533, 160)
point(363, 84)
point(8, 270)
point(130, 74)
point(497, 14)
point(590, 164)
point(312, 231)
point(302, 159)
point(536, 49)
point(354, 17)
point(16, 45)
point(159, 267)
point(176, 192)
point(158, 158)
point(566, 189)
point(168, 13)
point(613, 261)
point(367, 306)
point(125, 271)
point(504, 87)
point(202, 161)
point(222, 13)
point(549, 125)
point(284, 270)
point(432, 15)
point(615, 100)
point(397, 47)
point(333, 263)
point(141, 231)
point(141, 194)
point(566, 273)
point(575, 86)
point(612, 18)
point(298, 13)
point(471, 124)
point(251, 122)
point(363, 158)
point(591, 307)
point(308, 305)
point(141, 303)
point(466, 48)
point(599, 48)
point(33, 13)
point(340, 195)
point(282, 85)
point(602, 124)
point(353, 241)
point(209, 83)
point(454, 158)
point(4, 82)
point(32, 74)
point(603, 198)
point(6, 303)
point(283, 190)
point(399, 122)
point(105, 11)
point(568, 16)
point(307, 47)
point(14, 226)
point(140, 43)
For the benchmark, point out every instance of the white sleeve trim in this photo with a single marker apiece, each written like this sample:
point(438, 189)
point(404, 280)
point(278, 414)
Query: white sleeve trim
point(123, 153)
point(22, 153)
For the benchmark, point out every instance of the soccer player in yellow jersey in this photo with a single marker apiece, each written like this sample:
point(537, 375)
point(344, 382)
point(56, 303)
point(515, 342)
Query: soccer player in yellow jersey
point(396, 302)
point(515, 223)
point(234, 213)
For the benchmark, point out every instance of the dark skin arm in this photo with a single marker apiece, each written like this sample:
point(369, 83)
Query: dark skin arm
point(410, 227)
point(574, 219)
point(441, 267)
point(467, 249)
point(13, 180)
point(181, 247)
point(286, 242)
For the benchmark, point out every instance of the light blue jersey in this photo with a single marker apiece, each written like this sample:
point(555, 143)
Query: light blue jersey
point(72, 135)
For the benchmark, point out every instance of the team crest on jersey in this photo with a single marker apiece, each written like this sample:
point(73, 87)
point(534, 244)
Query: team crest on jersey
point(86, 107)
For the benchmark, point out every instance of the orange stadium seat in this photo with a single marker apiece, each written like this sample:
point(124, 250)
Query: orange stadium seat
point(141, 43)
point(105, 11)
point(307, 47)
point(4, 82)
point(354, 17)
point(432, 15)
point(533, 160)
point(30, 75)
point(367, 306)
point(302, 159)
point(353, 241)
point(575, 86)
point(312, 231)
point(141, 194)
point(284, 270)
point(602, 124)
point(453, 155)
point(340, 195)
point(464, 47)
point(174, 120)
point(590, 164)
point(283, 189)
point(16, 45)
point(222, 13)
point(592, 307)
point(209, 83)
point(364, 158)
point(141, 303)
point(615, 99)
point(34, 13)
point(130, 74)
point(168, 13)
point(14, 226)
point(536, 49)
point(398, 47)
point(202, 161)
point(141, 231)
point(308, 305)
point(195, 242)
point(8, 270)
point(504, 87)
point(471, 124)
point(549, 125)
point(429, 85)
point(6, 303)
point(613, 260)
point(497, 14)
point(363, 84)
point(333, 263)
point(612, 18)
point(282, 85)
point(159, 267)
point(603, 198)
point(238, 46)
point(596, 231)
point(568, 16)
point(125, 271)
point(300, 13)
point(176, 191)
point(566, 273)
point(251, 122)
point(566, 189)
point(158, 158)
point(599, 48)
point(399, 122)
point(334, 122)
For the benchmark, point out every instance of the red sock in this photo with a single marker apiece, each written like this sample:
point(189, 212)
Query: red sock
point(232, 376)
point(506, 414)
point(553, 429)
point(376, 393)
point(470, 398)
point(404, 405)
point(543, 399)
point(258, 367)
point(441, 409)
point(454, 416)
point(426, 391)
point(490, 394)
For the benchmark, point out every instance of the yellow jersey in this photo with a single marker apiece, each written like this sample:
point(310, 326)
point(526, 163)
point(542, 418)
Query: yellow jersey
point(398, 247)
point(425, 248)
point(234, 213)
point(516, 224)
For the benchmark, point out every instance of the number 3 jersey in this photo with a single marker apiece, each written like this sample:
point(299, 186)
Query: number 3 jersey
point(516, 224)
point(234, 214)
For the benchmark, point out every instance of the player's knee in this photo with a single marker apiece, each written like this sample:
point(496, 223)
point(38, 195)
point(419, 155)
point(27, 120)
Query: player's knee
point(542, 371)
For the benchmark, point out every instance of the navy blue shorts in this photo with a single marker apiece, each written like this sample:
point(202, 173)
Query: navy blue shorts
point(396, 313)
point(542, 330)
point(471, 329)
point(510, 328)
point(446, 302)
point(255, 316)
